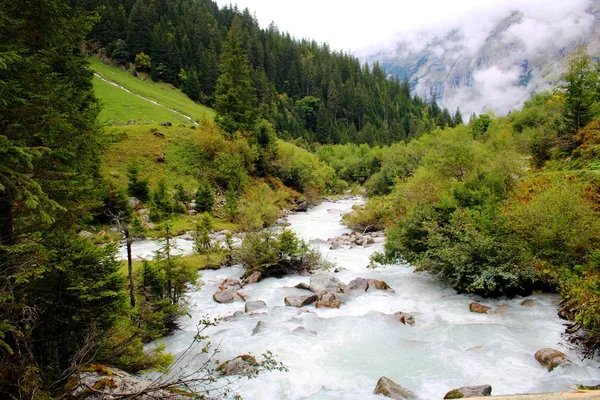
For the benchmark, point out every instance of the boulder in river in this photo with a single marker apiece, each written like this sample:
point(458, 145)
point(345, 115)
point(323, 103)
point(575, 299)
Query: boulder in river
point(405, 318)
point(241, 365)
point(324, 282)
point(303, 286)
point(357, 284)
point(230, 283)
point(225, 296)
point(551, 358)
point(528, 303)
point(301, 207)
point(260, 326)
point(300, 301)
point(113, 382)
point(469, 391)
point(376, 284)
point(478, 308)
point(303, 330)
point(391, 389)
point(328, 300)
point(254, 277)
point(254, 305)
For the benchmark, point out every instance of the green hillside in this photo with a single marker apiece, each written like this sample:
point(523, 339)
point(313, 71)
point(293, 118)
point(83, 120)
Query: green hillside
point(120, 106)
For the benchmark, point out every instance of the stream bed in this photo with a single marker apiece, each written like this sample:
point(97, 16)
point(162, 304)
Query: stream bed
point(446, 348)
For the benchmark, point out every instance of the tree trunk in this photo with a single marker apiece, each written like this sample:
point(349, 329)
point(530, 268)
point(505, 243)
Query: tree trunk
point(129, 241)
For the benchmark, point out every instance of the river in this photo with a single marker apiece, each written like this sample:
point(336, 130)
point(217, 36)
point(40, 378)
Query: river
point(448, 346)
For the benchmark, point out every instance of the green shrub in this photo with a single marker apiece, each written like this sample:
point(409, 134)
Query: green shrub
point(280, 255)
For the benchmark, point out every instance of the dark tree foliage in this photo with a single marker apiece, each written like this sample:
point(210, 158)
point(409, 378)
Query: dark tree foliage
point(246, 73)
point(58, 292)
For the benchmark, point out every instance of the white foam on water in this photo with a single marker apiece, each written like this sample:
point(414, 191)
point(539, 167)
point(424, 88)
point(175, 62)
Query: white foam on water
point(448, 346)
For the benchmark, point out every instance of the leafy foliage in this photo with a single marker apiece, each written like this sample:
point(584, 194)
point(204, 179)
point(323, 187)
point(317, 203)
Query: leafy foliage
point(278, 255)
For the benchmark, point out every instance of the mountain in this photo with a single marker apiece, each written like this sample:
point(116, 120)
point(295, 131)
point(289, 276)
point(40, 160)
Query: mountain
point(494, 62)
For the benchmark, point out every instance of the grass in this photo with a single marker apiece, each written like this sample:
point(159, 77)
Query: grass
point(143, 145)
point(118, 107)
point(163, 93)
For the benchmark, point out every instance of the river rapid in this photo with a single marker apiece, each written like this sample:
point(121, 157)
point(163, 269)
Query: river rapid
point(448, 346)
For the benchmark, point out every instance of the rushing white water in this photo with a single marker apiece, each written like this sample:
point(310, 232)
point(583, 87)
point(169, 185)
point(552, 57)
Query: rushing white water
point(448, 346)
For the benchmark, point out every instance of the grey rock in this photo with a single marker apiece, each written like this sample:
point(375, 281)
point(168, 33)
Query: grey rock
point(478, 308)
point(391, 389)
point(303, 286)
point(405, 318)
point(260, 326)
point(230, 283)
point(166, 123)
point(114, 381)
point(225, 296)
point(241, 365)
point(133, 203)
point(528, 303)
point(300, 301)
point(254, 305)
point(303, 330)
point(551, 358)
point(469, 391)
point(301, 207)
point(86, 234)
point(357, 284)
point(254, 277)
point(376, 284)
point(324, 282)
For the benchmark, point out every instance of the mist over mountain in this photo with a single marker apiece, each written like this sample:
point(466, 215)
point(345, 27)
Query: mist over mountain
point(494, 60)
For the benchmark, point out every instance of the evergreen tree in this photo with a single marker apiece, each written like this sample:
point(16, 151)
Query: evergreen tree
point(233, 101)
point(57, 290)
point(205, 200)
point(458, 117)
point(579, 89)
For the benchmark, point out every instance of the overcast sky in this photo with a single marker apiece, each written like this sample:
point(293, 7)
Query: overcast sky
point(364, 26)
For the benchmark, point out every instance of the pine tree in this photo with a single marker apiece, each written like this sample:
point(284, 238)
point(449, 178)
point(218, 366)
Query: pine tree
point(458, 120)
point(233, 101)
point(579, 89)
point(205, 200)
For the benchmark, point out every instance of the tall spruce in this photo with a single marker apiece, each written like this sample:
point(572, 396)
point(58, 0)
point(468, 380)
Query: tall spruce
point(233, 97)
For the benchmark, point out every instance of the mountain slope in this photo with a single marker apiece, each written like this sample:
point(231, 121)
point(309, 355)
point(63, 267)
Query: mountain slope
point(126, 97)
point(495, 63)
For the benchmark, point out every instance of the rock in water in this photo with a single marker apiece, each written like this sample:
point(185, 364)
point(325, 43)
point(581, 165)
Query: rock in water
point(391, 389)
point(303, 330)
point(358, 284)
point(324, 282)
point(114, 381)
point(230, 283)
point(469, 391)
point(300, 301)
point(301, 207)
point(551, 358)
point(478, 308)
point(225, 296)
point(260, 326)
point(254, 305)
point(405, 318)
point(254, 277)
point(241, 365)
point(376, 284)
point(303, 286)
point(528, 303)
